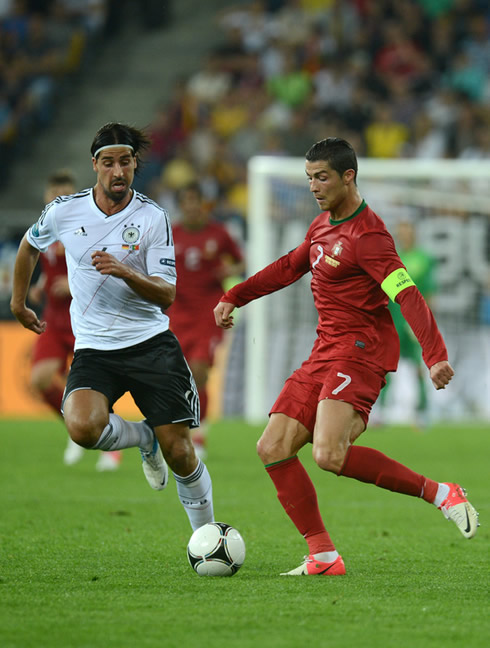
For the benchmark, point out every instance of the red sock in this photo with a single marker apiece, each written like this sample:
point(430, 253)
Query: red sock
point(53, 397)
point(374, 467)
point(297, 495)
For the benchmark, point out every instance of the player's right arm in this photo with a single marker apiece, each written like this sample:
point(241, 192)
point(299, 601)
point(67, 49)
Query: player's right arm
point(279, 274)
point(25, 262)
point(222, 314)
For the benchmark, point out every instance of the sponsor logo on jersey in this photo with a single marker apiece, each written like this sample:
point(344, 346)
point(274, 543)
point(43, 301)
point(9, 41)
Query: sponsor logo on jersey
point(332, 262)
point(35, 230)
point(131, 234)
point(168, 262)
point(80, 232)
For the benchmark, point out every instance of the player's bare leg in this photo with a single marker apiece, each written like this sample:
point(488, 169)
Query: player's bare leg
point(338, 426)
point(278, 448)
point(47, 380)
point(194, 486)
point(200, 372)
point(46, 377)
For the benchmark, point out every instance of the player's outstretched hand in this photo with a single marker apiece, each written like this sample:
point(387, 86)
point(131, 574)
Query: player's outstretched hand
point(29, 320)
point(441, 373)
point(222, 314)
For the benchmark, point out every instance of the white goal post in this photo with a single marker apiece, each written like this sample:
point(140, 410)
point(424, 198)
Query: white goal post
point(449, 203)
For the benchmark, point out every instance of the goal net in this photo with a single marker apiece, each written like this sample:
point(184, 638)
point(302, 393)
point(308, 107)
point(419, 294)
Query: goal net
point(448, 201)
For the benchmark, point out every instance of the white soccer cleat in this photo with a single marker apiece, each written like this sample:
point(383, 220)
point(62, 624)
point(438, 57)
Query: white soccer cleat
point(457, 509)
point(154, 466)
point(73, 453)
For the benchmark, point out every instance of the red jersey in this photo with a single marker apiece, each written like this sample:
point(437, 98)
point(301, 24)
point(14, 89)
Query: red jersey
point(56, 309)
point(199, 256)
point(348, 261)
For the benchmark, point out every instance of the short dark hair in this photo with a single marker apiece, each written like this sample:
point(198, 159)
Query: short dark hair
point(339, 154)
point(61, 177)
point(117, 133)
point(193, 187)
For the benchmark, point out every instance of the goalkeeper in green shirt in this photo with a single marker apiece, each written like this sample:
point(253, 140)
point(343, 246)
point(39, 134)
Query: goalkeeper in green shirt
point(421, 267)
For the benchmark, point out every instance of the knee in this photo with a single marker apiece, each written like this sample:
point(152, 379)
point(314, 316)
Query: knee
point(329, 459)
point(85, 429)
point(179, 454)
point(270, 451)
point(40, 381)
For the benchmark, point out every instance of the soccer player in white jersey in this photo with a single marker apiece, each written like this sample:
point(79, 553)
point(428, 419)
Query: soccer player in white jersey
point(121, 271)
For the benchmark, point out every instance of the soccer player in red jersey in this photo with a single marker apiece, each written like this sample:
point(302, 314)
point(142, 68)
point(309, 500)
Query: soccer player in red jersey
point(205, 255)
point(355, 269)
point(54, 348)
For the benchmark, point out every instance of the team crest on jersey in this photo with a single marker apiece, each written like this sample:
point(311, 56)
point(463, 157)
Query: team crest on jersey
point(337, 248)
point(131, 235)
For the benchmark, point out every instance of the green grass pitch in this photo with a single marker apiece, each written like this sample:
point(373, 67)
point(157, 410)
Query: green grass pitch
point(95, 560)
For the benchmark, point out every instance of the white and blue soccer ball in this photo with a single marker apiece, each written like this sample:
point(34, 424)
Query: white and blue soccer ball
point(216, 549)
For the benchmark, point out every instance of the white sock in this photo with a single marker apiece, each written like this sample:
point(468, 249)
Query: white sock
point(120, 434)
point(196, 494)
point(442, 493)
point(326, 556)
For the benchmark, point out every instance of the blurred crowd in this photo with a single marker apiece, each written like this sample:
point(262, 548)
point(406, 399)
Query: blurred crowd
point(42, 45)
point(397, 78)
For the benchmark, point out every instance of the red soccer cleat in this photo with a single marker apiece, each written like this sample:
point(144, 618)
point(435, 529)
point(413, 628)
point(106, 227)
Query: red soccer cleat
point(314, 567)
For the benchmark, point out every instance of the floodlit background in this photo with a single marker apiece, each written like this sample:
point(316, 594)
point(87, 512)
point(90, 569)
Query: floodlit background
point(217, 83)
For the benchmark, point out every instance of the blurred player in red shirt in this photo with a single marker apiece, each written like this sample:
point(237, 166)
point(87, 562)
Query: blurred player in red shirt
point(54, 348)
point(355, 269)
point(205, 255)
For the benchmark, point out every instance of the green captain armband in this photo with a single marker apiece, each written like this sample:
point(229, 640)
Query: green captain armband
point(395, 282)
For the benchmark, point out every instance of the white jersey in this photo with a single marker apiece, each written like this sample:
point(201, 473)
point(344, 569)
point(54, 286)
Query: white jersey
point(105, 312)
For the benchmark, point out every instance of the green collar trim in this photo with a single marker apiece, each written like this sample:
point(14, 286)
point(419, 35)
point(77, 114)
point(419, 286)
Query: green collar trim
point(362, 206)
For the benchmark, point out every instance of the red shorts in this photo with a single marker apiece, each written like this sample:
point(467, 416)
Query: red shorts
point(53, 343)
point(199, 342)
point(342, 380)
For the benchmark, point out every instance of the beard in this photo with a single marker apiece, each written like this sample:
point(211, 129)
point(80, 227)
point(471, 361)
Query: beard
point(117, 196)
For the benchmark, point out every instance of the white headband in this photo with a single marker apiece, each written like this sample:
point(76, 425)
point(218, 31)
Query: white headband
point(102, 148)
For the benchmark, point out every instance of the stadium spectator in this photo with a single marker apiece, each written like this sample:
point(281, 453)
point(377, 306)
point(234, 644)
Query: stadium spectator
point(428, 140)
point(42, 44)
point(121, 271)
point(355, 270)
point(385, 136)
point(395, 56)
point(205, 255)
point(54, 348)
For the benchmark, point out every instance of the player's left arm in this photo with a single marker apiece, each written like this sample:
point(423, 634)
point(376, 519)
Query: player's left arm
point(421, 320)
point(149, 287)
point(380, 259)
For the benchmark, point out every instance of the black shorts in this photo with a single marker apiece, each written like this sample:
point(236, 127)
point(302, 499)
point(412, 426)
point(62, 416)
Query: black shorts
point(155, 372)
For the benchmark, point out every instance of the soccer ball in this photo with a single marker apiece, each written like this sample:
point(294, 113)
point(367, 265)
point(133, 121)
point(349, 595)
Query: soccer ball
point(216, 549)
